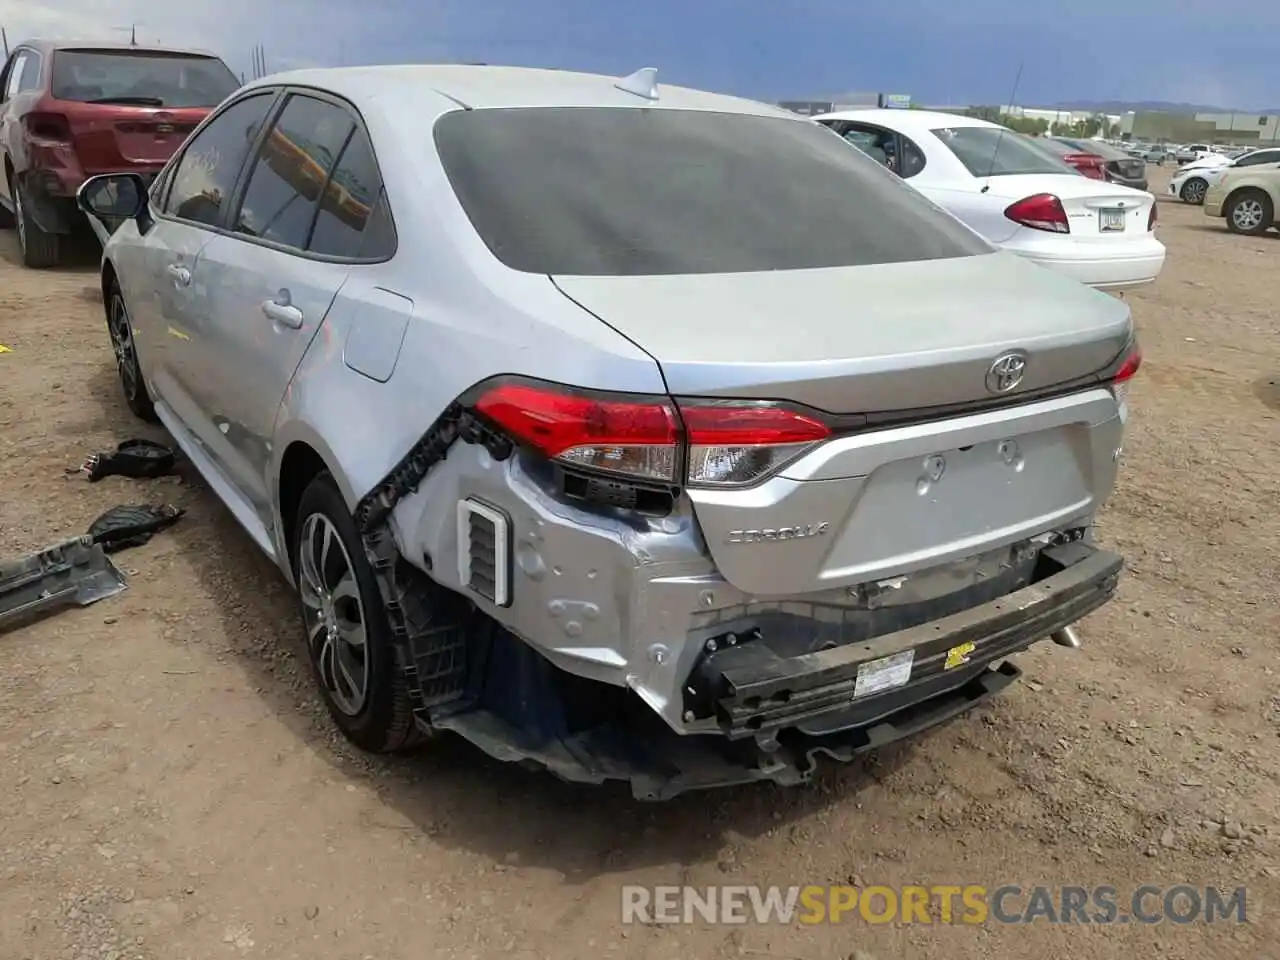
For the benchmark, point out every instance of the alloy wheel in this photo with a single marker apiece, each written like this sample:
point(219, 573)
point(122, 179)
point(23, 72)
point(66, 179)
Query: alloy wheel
point(20, 217)
point(121, 333)
point(333, 614)
point(1247, 214)
point(1194, 191)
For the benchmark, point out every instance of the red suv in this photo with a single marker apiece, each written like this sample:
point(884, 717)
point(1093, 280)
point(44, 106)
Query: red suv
point(72, 110)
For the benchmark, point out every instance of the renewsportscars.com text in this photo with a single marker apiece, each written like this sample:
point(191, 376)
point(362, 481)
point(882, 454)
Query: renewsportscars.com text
point(967, 904)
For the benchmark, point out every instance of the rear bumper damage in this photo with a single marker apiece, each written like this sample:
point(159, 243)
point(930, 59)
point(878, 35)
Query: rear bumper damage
point(767, 716)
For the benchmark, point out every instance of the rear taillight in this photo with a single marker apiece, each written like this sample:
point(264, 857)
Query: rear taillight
point(47, 128)
point(701, 443)
point(1125, 372)
point(1089, 165)
point(1152, 217)
point(1042, 211)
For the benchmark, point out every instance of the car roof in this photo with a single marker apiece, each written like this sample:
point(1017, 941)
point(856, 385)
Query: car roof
point(482, 86)
point(909, 121)
point(52, 46)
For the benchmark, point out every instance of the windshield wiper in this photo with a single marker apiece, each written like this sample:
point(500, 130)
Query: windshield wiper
point(132, 101)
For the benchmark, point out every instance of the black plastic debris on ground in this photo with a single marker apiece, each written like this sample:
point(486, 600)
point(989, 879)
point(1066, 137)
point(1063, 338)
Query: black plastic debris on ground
point(72, 573)
point(132, 525)
point(138, 459)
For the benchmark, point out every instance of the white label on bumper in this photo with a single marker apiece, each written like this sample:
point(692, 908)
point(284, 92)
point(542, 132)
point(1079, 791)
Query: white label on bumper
point(876, 676)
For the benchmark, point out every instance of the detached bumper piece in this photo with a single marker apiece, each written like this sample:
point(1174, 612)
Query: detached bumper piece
point(76, 572)
point(774, 716)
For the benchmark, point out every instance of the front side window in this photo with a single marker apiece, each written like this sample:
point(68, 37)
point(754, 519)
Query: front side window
point(603, 191)
point(291, 169)
point(15, 73)
point(996, 152)
point(30, 78)
point(143, 77)
point(206, 174)
point(1259, 157)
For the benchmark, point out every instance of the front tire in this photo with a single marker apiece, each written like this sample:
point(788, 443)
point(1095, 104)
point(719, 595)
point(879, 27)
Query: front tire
point(40, 250)
point(1250, 213)
point(1193, 191)
point(349, 642)
point(120, 330)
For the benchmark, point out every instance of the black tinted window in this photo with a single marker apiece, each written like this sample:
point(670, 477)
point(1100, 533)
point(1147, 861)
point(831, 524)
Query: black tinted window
point(1260, 156)
point(290, 170)
point(148, 77)
point(353, 219)
point(994, 152)
point(206, 174)
point(623, 192)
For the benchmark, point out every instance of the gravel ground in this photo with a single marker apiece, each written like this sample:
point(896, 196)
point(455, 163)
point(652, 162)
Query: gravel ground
point(174, 789)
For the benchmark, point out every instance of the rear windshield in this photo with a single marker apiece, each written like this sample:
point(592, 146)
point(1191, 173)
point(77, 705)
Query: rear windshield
point(995, 152)
point(147, 78)
point(616, 191)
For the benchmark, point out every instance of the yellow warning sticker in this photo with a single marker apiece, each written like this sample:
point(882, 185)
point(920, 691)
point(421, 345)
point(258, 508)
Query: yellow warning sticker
point(4, 349)
point(958, 656)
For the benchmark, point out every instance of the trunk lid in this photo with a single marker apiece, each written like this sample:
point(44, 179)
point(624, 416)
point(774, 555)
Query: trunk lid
point(115, 137)
point(861, 339)
point(1094, 208)
point(876, 504)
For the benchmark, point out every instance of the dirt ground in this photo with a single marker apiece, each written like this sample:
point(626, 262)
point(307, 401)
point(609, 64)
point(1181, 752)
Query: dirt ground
point(173, 789)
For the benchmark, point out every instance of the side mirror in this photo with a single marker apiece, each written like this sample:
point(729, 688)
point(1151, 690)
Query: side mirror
point(113, 196)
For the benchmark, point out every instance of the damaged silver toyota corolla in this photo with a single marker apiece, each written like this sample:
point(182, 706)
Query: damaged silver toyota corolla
point(633, 431)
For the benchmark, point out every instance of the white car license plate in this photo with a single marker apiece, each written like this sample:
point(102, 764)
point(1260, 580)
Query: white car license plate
point(1111, 221)
point(877, 676)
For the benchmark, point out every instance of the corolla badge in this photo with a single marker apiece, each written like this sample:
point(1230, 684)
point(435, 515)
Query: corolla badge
point(1006, 371)
point(775, 534)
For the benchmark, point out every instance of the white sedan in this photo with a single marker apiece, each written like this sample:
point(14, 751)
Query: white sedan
point(1191, 182)
point(1015, 193)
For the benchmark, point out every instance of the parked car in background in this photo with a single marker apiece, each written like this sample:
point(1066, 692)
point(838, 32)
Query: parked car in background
point(1247, 197)
point(1156, 153)
point(1192, 152)
point(1016, 193)
point(69, 111)
point(1116, 165)
point(578, 446)
point(1191, 182)
point(1085, 163)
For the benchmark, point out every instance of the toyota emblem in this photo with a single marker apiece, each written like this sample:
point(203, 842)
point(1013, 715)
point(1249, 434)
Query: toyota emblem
point(1006, 372)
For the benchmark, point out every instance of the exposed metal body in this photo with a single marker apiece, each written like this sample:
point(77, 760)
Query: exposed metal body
point(978, 431)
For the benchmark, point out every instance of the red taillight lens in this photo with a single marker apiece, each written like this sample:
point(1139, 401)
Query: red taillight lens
point(638, 438)
point(47, 127)
point(1042, 211)
point(1088, 165)
point(736, 443)
point(725, 443)
point(1125, 372)
point(1152, 217)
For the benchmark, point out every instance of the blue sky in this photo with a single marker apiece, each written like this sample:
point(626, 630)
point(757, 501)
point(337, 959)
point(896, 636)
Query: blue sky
point(963, 51)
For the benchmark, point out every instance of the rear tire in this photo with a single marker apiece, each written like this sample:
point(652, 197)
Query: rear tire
point(1193, 191)
point(349, 641)
point(120, 330)
point(1250, 212)
point(40, 250)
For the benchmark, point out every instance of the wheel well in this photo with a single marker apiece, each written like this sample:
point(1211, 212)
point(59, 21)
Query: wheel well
point(1240, 191)
point(300, 465)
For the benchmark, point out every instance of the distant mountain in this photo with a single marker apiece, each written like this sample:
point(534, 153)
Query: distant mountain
point(1164, 106)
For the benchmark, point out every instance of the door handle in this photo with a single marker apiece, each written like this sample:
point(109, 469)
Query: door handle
point(285, 314)
point(179, 273)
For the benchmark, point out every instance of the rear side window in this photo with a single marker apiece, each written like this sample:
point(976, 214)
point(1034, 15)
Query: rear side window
point(211, 163)
point(144, 77)
point(354, 220)
point(30, 79)
point(291, 169)
point(995, 152)
point(601, 191)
